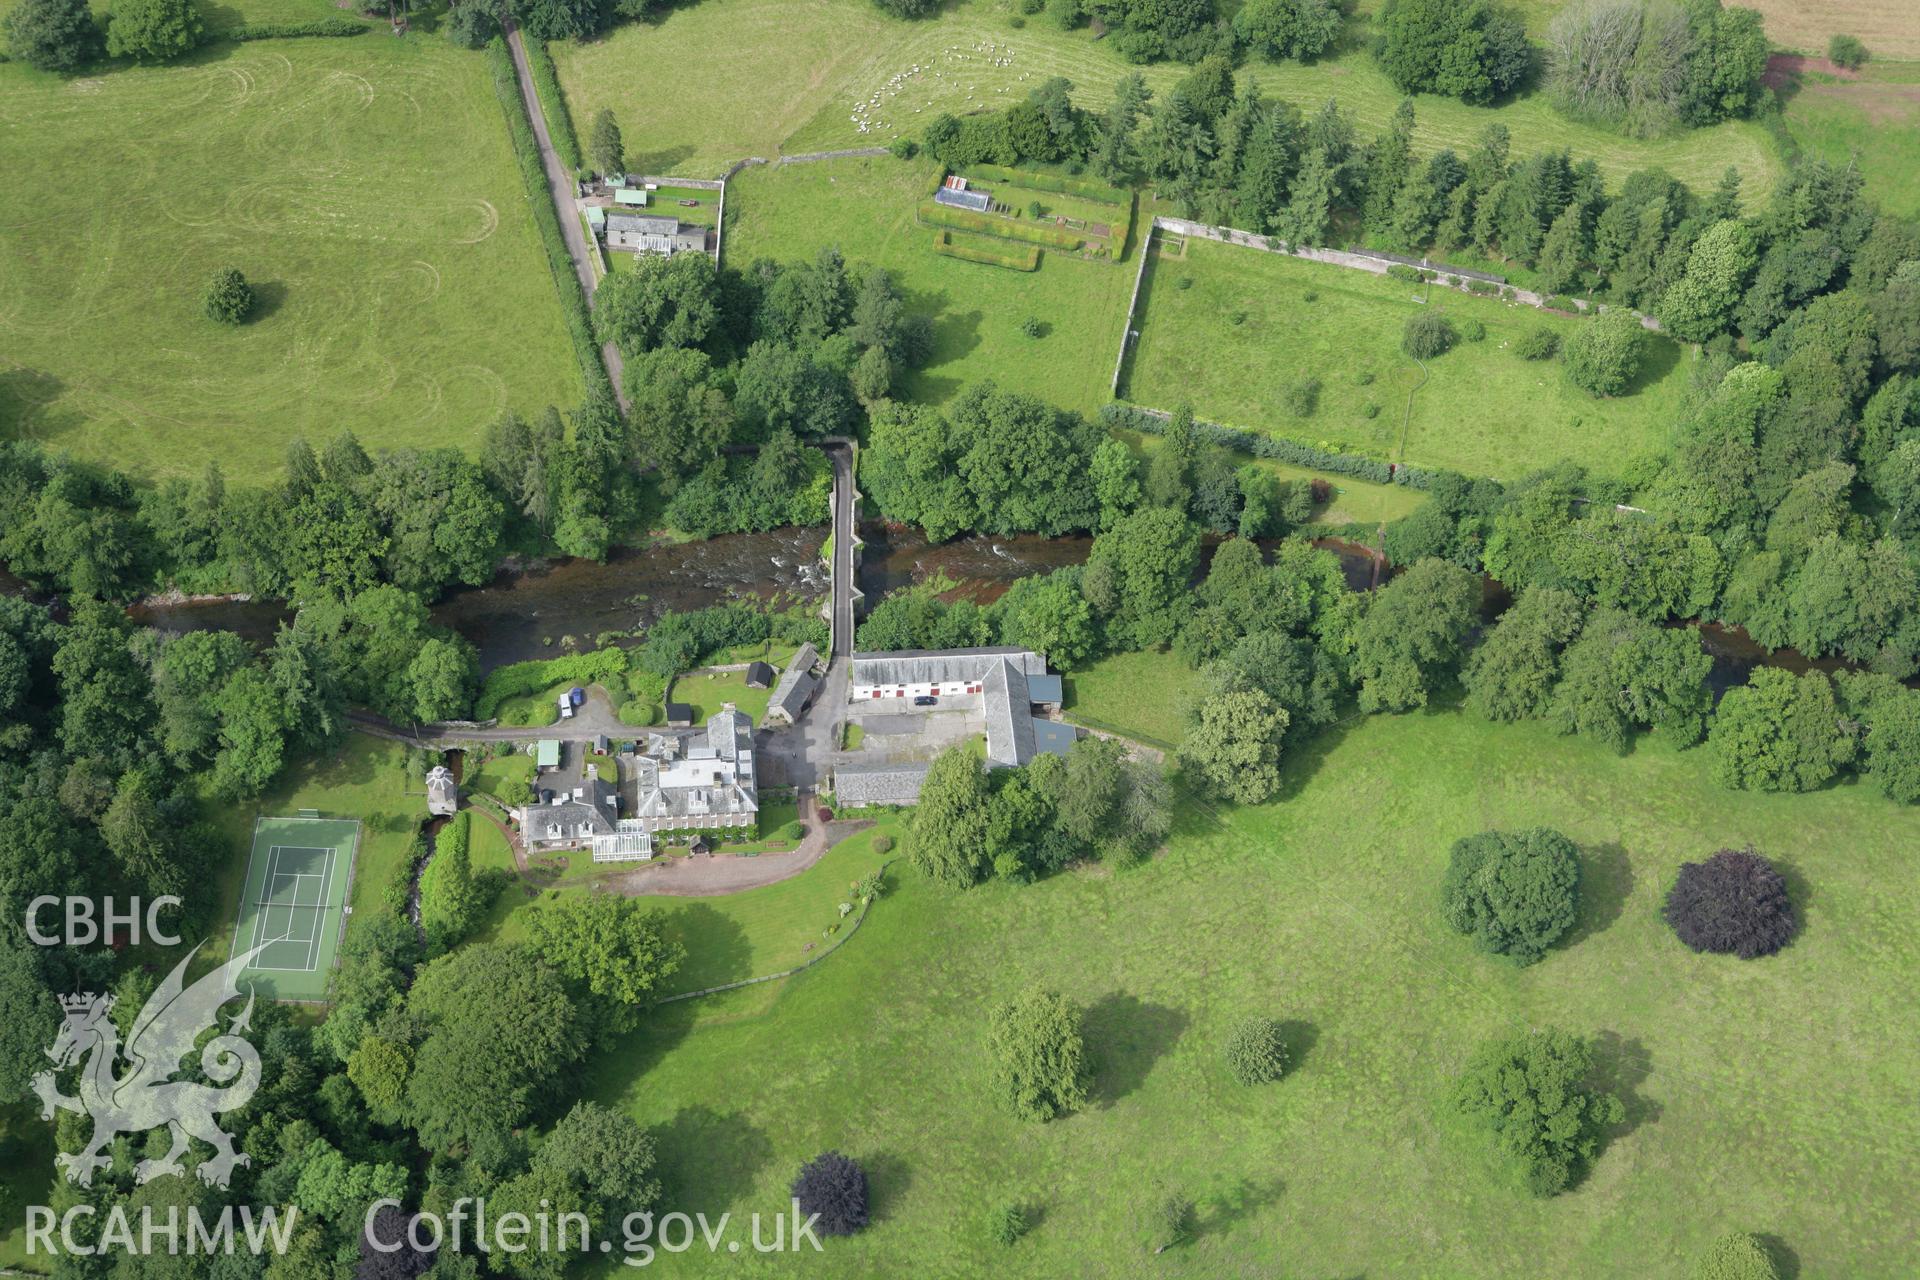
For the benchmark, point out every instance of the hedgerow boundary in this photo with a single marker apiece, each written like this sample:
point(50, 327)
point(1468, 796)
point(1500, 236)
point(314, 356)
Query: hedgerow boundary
point(1120, 415)
point(533, 176)
point(553, 102)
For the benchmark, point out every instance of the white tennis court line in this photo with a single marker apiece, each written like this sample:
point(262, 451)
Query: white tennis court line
point(352, 831)
point(274, 878)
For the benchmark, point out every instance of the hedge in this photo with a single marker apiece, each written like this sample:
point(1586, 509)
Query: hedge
point(553, 103)
point(940, 215)
point(1277, 448)
point(1019, 260)
point(533, 175)
point(399, 887)
point(1085, 188)
point(600, 666)
point(293, 30)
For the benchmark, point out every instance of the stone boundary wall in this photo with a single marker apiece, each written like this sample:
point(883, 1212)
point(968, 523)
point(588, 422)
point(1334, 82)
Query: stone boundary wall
point(1133, 305)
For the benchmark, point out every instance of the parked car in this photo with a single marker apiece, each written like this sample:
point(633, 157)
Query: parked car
point(925, 700)
point(576, 695)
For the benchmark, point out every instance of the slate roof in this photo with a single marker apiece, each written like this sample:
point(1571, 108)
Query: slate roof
point(715, 780)
point(796, 685)
point(861, 784)
point(591, 815)
point(636, 224)
point(1009, 722)
point(940, 666)
point(1053, 737)
point(759, 675)
point(1044, 688)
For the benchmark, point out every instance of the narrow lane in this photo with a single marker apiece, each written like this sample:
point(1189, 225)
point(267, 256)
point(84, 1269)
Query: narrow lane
point(560, 184)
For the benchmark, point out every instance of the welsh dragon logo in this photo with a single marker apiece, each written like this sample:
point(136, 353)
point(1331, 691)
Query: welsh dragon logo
point(146, 1096)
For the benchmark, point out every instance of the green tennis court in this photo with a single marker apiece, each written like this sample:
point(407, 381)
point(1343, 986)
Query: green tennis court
point(294, 903)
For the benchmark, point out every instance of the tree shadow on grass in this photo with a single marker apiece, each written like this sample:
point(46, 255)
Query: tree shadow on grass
point(1220, 1212)
point(717, 947)
point(1299, 1036)
point(1606, 882)
point(1127, 1036)
point(1620, 1067)
point(1784, 1258)
point(268, 297)
point(1662, 355)
point(1800, 894)
point(707, 1159)
point(888, 1177)
point(658, 162)
point(1302, 759)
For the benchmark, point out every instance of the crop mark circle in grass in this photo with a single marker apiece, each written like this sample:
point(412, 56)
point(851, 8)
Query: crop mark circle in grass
point(360, 84)
point(429, 277)
point(490, 222)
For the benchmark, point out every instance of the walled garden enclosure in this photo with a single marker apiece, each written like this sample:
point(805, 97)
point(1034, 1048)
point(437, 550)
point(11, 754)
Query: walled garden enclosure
point(1242, 333)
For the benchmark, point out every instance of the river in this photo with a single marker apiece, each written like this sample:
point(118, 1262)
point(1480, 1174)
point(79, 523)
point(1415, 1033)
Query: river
point(528, 612)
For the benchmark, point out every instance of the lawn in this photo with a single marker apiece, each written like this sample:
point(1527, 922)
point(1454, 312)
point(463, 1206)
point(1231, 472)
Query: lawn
point(801, 77)
point(865, 208)
point(1481, 410)
point(666, 202)
point(492, 775)
point(1770, 1096)
point(734, 936)
point(707, 692)
point(1140, 695)
point(1873, 120)
point(403, 295)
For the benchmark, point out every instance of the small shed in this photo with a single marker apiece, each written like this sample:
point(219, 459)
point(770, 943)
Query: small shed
point(679, 715)
point(759, 675)
point(600, 743)
point(1043, 690)
point(630, 195)
point(546, 754)
point(700, 845)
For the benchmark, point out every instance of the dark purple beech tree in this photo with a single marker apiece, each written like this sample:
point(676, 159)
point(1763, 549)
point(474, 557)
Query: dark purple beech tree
point(1735, 901)
point(390, 1225)
point(835, 1187)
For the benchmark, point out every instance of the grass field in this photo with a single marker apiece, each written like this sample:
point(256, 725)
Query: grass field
point(403, 295)
point(1772, 1096)
point(865, 207)
point(1482, 410)
point(1873, 119)
point(801, 77)
point(1887, 27)
point(1142, 695)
